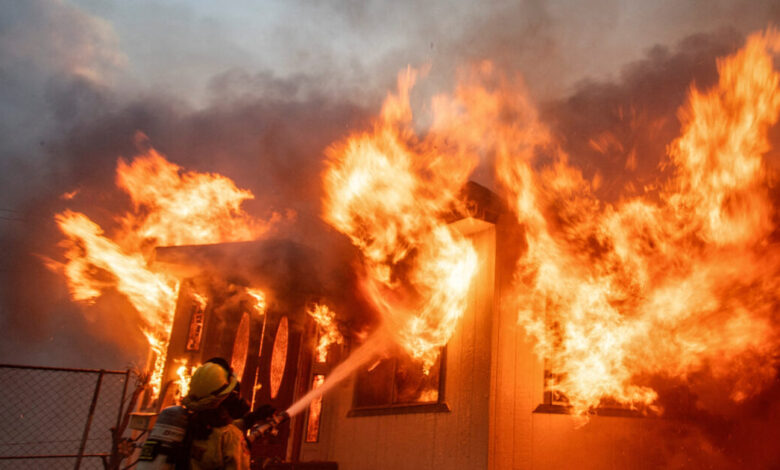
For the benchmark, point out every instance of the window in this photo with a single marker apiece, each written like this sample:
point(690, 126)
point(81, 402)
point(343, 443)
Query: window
point(315, 412)
point(399, 385)
point(240, 347)
point(279, 357)
point(555, 401)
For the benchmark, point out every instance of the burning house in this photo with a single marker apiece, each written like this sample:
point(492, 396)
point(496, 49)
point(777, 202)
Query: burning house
point(247, 302)
point(530, 326)
point(488, 400)
point(255, 304)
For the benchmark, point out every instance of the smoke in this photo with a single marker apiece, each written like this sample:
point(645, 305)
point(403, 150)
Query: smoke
point(69, 114)
point(617, 131)
point(257, 130)
point(258, 143)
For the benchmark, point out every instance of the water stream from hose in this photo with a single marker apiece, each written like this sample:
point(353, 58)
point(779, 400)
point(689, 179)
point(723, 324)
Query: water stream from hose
point(374, 345)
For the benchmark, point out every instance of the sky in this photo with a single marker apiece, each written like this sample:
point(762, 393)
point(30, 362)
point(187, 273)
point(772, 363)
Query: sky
point(257, 89)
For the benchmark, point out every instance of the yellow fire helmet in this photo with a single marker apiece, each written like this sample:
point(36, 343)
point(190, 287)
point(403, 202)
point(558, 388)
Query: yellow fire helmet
point(210, 385)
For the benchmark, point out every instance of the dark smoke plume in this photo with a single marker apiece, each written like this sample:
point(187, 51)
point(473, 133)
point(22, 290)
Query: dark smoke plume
point(264, 133)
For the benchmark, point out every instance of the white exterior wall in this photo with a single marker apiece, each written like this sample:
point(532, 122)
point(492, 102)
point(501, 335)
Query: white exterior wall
point(522, 439)
point(452, 440)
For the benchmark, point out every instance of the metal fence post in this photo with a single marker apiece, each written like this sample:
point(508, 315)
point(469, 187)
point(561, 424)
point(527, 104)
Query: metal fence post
point(122, 400)
point(89, 420)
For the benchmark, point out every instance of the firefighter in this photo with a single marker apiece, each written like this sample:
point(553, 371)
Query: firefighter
point(208, 432)
point(219, 418)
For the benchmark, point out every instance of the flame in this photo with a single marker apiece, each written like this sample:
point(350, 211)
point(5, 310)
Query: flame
point(67, 196)
point(678, 279)
point(328, 330)
point(201, 299)
point(170, 207)
point(670, 282)
point(184, 374)
point(315, 411)
point(259, 300)
point(428, 395)
point(387, 190)
point(183, 208)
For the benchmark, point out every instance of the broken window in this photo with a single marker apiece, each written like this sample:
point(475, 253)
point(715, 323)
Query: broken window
point(398, 382)
point(555, 400)
point(552, 377)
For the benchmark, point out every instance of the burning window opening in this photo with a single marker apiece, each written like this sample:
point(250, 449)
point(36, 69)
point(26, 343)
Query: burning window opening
point(315, 412)
point(257, 383)
point(671, 282)
point(184, 373)
point(398, 382)
point(387, 190)
point(197, 319)
point(328, 333)
point(240, 347)
point(554, 399)
point(279, 357)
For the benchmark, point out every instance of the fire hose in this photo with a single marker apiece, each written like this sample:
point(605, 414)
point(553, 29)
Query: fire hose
point(269, 427)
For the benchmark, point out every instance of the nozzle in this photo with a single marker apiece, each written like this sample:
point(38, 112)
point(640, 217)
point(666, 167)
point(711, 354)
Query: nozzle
point(268, 427)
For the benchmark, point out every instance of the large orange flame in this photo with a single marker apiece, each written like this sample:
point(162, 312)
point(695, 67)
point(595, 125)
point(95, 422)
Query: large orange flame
point(170, 207)
point(666, 283)
point(683, 278)
point(387, 190)
point(173, 207)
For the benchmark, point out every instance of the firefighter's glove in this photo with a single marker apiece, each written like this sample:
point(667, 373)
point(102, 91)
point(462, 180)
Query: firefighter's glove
point(261, 414)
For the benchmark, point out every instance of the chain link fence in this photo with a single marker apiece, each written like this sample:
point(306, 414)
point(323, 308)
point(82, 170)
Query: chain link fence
point(58, 418)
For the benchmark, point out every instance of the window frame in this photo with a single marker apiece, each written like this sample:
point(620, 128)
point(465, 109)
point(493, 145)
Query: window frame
point(439, 406)
point(550, 405)
point(308, 413)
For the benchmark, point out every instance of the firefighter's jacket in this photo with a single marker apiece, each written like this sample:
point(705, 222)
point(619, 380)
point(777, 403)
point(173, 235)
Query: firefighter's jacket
point(225, 449)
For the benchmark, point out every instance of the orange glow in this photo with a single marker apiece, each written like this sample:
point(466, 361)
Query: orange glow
point(669, 282)
point(387, 190)
point(279, 357)
point(259, 300)
point(170, 207)
point(197, 319)
point(184, 373)
point(328, 330)
point(429, 395)
point(315, 412)
point(240, 347)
